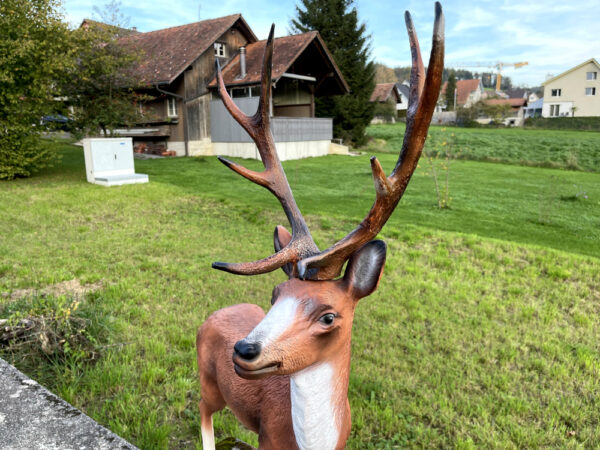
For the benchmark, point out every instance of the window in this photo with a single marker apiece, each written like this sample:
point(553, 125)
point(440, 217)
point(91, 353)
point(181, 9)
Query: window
point(171, 107)
point(220, 49)
point(591, 76)
point(554, 110)
point(556, 92)
point(590, 91)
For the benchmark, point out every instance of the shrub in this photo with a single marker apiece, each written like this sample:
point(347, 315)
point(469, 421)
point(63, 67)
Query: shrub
point(21, 153)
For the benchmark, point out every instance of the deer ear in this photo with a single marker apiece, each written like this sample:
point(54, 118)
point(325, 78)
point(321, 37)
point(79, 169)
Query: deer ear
point(364, 269)
point(281, 238)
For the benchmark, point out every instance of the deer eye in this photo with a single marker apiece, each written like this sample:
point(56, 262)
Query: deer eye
point(327, 319)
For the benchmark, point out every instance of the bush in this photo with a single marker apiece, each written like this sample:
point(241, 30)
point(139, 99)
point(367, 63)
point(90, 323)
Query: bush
point(564, 123)
point(386, 111)
point(21, 153)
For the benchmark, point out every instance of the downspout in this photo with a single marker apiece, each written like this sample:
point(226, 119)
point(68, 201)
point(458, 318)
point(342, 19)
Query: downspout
point(185, 130)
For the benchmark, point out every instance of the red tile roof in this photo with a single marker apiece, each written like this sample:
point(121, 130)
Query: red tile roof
point(382, 92)
point(168, 52)
point(285, 51)
point(514, 102)
point(463, 89)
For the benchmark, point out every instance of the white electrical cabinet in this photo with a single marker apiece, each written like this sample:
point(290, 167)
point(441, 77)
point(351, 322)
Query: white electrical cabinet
point(109, 162)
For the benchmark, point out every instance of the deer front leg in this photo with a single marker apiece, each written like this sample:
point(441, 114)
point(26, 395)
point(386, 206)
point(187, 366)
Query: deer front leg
point(206, 426)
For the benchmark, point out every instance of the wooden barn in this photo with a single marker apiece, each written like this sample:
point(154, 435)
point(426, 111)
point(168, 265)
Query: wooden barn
point(186, 115)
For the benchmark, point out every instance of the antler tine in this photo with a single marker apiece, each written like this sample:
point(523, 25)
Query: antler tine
point(273, 177)
point(424, 91)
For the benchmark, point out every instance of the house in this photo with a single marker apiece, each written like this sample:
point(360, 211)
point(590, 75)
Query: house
point(575, 92)
point(517, 110)
point(388, 99)
point(522, 93)
point(534, 109)
point(468, 92)
point(404, 89)
point(177, 70)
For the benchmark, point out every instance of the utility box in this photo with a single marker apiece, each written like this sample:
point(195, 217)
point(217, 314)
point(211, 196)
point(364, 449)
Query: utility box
point(109, 162)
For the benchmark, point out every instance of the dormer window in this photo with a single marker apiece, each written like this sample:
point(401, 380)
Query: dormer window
point(220, 49)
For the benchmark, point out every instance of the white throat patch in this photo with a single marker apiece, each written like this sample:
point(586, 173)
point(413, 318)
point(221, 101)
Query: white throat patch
point(313, 414)
point(278, 319)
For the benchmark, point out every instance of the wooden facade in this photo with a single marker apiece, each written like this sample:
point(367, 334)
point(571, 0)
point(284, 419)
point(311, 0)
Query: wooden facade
point(178, 118)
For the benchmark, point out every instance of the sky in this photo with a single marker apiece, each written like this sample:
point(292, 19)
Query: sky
point(551, 35)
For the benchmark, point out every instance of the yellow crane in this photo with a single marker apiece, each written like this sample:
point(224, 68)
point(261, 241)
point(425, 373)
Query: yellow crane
point(497, 65)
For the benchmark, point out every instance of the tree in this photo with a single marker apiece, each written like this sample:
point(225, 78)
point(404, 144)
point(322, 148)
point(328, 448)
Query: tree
point(450, 90)
point(337, 22)
point(101, 85)
point(35, 50)
point(384, 74)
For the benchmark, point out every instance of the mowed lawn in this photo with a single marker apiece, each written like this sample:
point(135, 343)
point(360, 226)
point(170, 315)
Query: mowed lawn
point(483, 332)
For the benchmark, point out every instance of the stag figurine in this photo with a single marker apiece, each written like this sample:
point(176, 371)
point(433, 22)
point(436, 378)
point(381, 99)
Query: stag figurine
point(285, 374)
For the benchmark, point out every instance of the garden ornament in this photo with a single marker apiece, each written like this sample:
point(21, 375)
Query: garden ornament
point(285, 374)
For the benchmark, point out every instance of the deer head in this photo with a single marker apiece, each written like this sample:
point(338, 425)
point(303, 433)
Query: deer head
point(312, 313)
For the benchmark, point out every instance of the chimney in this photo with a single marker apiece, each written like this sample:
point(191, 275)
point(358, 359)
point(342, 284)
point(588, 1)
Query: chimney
point(242, 62)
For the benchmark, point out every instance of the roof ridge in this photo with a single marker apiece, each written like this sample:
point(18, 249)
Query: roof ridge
point(189, 24)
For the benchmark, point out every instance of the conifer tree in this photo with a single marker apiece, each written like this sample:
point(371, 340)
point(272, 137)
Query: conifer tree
point(450, 88)
point(346, 38)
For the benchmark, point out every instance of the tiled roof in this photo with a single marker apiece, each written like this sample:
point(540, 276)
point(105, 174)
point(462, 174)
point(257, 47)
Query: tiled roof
point(404, 89)
point(382, 92)
point(286, 50)
point(114, 29)
point(516, 93)
point(514, 102)
point(463, 89)
point(168, 52)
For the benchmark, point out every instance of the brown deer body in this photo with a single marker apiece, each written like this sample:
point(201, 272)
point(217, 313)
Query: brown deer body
point(285, 374)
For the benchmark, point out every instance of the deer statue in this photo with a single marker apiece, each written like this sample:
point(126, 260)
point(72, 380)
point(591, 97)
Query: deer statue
point(285, 374)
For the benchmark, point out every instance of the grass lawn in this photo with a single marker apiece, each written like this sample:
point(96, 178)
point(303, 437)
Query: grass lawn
point(483, 332)
point(547, 148)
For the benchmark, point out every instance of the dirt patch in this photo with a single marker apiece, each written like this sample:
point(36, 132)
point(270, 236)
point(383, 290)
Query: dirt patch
point(72, 288)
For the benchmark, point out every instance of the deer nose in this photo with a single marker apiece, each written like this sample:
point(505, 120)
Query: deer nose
point(246, 350)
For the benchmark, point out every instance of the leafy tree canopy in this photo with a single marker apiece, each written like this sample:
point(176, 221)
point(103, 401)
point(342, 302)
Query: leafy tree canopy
point(35, 51)
point(101, 84)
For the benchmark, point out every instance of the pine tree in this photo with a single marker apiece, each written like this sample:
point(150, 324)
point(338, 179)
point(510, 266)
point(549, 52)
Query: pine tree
point(346, 38)
point(450, 88)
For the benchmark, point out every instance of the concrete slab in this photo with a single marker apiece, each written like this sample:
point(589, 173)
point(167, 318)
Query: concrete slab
point(32, 418)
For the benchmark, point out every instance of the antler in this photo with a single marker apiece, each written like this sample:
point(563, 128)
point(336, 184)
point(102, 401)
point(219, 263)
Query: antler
point(273, 177)
point(302, 252)
point(421, 104)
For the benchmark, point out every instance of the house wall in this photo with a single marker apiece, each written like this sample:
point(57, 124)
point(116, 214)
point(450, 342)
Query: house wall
point(292, 98)
point(197, 104)
point(572, 86)
point(285, 150)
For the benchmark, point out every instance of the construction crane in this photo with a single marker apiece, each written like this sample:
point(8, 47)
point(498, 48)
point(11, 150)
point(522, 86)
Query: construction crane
point(497, 65)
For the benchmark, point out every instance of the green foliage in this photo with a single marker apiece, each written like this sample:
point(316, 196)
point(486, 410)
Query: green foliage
point(35, 51)
point(466, 116)
point(21, 153)
point(384, 110)
point(450, 91)
point(337, 22)
point(564, 123)
point(100, 85)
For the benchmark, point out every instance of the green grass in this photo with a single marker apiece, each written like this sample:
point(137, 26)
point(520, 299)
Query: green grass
point(547, 148)
point(483, 332)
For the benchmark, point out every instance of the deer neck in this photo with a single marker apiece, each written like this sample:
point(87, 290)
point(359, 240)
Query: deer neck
point(319, 401)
